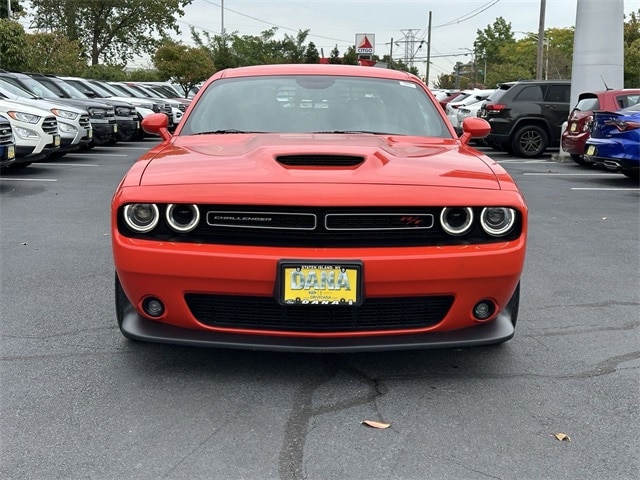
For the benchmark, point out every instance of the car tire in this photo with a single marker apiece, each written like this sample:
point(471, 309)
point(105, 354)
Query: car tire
point(530, 141)
point(123, 305)
point(580, 160)
point(633, 174)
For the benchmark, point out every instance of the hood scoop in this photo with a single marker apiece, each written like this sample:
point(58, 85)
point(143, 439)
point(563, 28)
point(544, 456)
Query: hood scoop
point(319, 160)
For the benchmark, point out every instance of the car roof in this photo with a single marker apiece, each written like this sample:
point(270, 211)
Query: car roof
point(315, 69)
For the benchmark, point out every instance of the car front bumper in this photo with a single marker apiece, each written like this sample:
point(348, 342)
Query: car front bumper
point(168, 271)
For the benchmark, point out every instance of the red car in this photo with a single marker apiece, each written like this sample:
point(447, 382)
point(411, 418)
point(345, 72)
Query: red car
point(577, 133)
point(317, 208)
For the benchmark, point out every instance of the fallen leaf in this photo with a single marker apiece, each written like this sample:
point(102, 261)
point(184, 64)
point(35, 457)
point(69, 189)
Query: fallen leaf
point(563, 437)
point(372, 424)
point(25, 243)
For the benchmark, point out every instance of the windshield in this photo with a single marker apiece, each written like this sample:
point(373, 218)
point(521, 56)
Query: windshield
point(38, 88)
point(11, 90)
point(319, 104)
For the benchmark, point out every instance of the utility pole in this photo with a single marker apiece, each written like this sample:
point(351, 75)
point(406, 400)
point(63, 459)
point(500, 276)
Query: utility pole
point(540, 63)
point(426, 79)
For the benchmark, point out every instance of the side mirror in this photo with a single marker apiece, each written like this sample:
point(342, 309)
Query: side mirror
point(157, 124)
point(474, 127)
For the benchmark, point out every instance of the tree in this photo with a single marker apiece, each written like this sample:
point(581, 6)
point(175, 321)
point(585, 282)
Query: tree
point(632, 51)
point(112, 30)
point(334, 56)
point(186, 66)
point(16, 9)
point(13, 45)
point(311, 54)
point(112, 73)
point(350, 57)
point(54, 53)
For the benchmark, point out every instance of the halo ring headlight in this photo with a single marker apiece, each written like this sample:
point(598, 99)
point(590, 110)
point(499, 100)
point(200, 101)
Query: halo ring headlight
point(183, 218)
point(497, 221)
point(456, 220)
point(141, 217)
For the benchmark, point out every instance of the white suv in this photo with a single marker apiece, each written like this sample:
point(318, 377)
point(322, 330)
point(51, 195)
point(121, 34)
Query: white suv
point(35, 131)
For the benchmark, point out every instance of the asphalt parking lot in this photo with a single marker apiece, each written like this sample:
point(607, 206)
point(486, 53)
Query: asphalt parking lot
point(79, 401)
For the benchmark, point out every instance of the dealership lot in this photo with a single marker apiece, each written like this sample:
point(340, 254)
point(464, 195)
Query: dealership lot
point(80, 401)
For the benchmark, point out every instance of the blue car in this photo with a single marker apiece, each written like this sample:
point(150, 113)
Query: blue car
point(615, 141)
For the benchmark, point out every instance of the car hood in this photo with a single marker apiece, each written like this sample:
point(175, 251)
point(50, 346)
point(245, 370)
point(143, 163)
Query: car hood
point(243, 158)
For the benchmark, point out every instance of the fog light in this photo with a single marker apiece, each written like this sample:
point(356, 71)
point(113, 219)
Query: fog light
point(153, 307)
point(483, 309)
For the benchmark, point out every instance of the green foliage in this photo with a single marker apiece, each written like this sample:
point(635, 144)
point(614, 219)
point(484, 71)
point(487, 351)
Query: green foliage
point(13, 45)
point(311, 54)
point(632, 51)
point(111, 73)
point(16, 9)
point(54, 53)
point(144, 76)
point(350, 57)
point(334, 56)
point(112, 30)
point(186, 66)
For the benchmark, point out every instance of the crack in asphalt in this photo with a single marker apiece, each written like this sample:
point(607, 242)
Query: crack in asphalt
point(291, 458)
point(290, 463)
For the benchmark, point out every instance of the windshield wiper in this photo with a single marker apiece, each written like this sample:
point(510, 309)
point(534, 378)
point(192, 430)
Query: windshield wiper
point(220, 132)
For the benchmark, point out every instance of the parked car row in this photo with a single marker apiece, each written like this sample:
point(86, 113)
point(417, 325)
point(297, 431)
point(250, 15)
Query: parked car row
point(46, 116)
point(527, 118)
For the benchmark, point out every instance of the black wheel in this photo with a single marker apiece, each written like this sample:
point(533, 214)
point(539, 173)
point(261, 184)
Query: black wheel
point(633, 174)
point(581, 160)
point(18, 166)
point(530, 141)
point(123, 305)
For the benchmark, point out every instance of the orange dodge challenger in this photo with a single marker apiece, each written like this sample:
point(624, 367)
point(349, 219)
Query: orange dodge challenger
point(317, 208)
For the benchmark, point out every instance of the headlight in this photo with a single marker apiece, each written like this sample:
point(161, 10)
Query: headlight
point(456, 220)
point(25, 133)
point(183, 218)
point(123, 111)
point(66, 128)
point(497, 221)
point(97, 112)
point(24, 117)
point(64, 114)
point(141, 217)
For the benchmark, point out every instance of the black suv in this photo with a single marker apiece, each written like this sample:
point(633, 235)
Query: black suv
point(526, 117)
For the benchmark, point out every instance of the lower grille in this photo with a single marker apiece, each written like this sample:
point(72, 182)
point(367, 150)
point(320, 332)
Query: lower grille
point(261, 313)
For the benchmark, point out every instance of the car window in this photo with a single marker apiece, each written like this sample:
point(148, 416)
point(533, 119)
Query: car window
point(625, 101)
point(529, 93)
point(588, 104)
point(323, 104)
point(558, 93)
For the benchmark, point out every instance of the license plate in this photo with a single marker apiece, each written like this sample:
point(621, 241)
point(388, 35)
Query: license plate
point(574, 127)
point(11, 152)
point(56, 140)
point(115, 128)
point(313, 283)
point(91, 133)
point(591, 150)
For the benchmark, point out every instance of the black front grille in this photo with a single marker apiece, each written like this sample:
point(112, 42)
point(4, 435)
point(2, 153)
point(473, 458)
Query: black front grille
point(5, 133)
point(84, 121)
point(320, 227)
point(50, 125)
point(262, 313)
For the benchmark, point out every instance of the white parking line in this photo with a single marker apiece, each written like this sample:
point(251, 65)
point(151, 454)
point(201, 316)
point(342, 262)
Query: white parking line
point(65, 165)
point(13, 179)
point(551, 174)
point(522, 161)
point(631, 189)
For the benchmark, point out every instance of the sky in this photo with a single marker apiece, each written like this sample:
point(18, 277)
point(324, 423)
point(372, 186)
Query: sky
point(331, 23)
